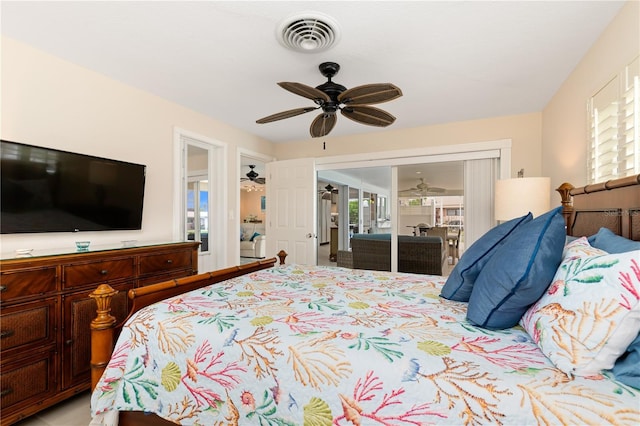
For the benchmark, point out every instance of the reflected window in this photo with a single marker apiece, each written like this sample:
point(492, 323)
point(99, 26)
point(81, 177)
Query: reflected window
point(198, 213)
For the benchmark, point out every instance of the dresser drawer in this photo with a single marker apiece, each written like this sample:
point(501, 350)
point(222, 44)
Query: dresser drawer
point(27, 324)
point(162, 262)
point(29, 378)
point(27, 282)
point(158, 278)
point(97, 272)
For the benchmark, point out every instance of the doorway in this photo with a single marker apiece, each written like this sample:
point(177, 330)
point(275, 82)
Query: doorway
point(252, 205)
point(200, 199)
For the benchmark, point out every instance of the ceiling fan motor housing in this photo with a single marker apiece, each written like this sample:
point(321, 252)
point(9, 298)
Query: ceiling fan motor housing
point(329, 69)
point(252, 174)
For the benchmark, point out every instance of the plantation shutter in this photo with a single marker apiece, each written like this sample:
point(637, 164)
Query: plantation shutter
point(630, 121)
point(613, 116)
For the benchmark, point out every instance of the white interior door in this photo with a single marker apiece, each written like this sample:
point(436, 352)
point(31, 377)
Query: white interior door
point(291, 210)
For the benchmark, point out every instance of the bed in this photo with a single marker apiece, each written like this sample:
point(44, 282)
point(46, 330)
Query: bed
point(269, 344)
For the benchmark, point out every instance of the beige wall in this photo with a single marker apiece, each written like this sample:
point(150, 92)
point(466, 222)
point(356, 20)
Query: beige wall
point(50, 102)
point(523, 130)
point(564, 119)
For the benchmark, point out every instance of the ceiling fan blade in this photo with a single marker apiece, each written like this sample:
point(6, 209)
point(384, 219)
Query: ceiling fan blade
point(368, 115)
point(370, 94)
point(434, 190)
point(259, 180)
point(322, 125)
point(316, 95)
point(285, 114)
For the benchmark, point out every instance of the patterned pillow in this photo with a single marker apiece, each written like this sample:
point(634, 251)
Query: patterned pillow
point(591, 312)
point(581, 247)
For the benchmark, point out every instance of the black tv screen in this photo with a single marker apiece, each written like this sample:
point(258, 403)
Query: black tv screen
point(48, 190)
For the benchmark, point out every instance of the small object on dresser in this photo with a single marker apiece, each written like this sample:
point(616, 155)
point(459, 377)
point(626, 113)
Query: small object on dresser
point(83, 245)
point(129, 243)
point(23, 252)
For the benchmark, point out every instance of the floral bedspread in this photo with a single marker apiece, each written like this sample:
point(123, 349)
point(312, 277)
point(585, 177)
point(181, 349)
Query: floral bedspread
point(296, 345)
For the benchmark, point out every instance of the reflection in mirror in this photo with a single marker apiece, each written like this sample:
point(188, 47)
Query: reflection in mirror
point(354, 211)
point(198, 212)
point(366, 212)
point(197, 201)
point(384, 213)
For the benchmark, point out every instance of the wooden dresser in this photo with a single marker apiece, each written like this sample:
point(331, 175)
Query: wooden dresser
point(45, 313)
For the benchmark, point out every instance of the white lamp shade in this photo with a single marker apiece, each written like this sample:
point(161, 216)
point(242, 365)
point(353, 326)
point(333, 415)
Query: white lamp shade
point(519, 196)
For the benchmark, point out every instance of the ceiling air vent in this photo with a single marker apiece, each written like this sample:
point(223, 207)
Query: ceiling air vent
point(308, 32)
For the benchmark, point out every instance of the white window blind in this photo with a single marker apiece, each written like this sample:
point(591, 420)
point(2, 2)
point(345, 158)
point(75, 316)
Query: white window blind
point(479, 180)
point(614, 114)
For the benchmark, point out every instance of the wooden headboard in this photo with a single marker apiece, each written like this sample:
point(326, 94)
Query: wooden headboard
point(614, 204)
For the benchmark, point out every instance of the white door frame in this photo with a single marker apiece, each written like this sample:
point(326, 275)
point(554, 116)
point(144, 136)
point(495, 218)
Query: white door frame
point(216, 257)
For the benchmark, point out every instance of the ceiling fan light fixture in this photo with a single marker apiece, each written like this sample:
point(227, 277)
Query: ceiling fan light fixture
point(308, 32)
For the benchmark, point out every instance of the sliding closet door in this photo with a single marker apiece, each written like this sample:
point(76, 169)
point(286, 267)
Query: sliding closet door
point(479, 178)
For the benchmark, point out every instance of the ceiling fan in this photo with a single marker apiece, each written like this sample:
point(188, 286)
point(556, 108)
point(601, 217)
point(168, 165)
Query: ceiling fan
point(331, 97)
point(422, 189)
point(329, 188)
point(252, 176)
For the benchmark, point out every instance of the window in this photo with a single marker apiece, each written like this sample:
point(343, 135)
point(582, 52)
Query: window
point(614, 119)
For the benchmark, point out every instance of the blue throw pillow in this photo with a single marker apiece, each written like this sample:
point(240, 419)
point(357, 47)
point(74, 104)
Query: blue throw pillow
point(255, 234)
point(612, 243)
point(460, 282)
point(627, 367)
point(518, 273)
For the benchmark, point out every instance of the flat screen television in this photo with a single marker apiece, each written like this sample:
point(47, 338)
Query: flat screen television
point(49, 190)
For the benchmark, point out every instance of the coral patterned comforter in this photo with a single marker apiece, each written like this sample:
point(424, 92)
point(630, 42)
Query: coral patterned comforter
point(295, 345)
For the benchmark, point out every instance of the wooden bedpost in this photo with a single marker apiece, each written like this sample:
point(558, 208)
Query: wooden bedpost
point(102, 332)
point(282, 255)
point(567, 204)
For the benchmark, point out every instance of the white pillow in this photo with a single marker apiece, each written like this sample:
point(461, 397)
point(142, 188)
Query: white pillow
point(591, 311)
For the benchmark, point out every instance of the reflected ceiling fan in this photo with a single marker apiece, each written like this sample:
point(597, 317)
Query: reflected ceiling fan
point(328, 190)
point(422, 189)
point(330, 97)
point(252, 176)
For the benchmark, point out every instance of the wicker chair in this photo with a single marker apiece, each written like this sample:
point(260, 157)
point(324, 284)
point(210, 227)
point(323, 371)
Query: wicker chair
point(422, 255)
point(439, 231)
point(418, 255)
point(345, 259)
point(371, 252)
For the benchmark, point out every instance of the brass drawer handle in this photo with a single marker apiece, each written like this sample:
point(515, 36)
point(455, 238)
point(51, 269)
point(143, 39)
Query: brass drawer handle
point(7, 333)
point(169, 261)
point(104, 272)
point(6, 392)
point(3, 287)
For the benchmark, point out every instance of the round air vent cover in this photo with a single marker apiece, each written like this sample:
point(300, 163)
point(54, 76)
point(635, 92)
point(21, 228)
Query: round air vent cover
point(308, 32)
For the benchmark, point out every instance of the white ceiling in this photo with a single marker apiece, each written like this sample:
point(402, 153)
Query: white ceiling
point(453, 60)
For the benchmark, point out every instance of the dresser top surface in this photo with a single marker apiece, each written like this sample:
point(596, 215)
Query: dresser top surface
point(28, 253)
